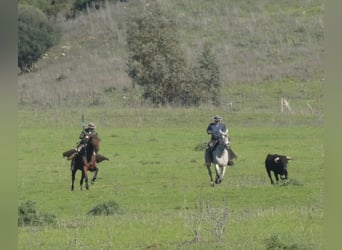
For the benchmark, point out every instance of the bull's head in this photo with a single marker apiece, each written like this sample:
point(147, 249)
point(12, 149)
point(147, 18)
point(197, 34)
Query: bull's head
point(276, 160)
point(282, 161)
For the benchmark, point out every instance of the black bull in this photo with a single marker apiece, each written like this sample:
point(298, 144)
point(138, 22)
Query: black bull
point(278, 164)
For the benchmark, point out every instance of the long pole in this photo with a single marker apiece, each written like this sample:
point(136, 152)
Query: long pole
point(83, 124)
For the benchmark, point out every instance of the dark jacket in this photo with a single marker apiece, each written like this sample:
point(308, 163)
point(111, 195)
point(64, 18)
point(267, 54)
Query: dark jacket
point(214, 130)
point(86, 132)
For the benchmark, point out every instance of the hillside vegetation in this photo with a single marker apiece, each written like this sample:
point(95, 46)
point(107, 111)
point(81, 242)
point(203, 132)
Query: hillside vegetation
point(265, 50)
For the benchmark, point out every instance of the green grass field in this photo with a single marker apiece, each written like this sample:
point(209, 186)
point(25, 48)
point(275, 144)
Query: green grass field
point(158, 178)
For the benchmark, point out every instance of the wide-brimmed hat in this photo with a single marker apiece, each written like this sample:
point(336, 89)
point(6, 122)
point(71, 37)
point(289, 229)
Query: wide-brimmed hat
point(91, 125)
point(217, 118)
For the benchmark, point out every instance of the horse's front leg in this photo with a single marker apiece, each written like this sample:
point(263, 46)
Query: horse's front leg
point(85, 170)
point(81, 180)
point(224, 168)
point(95, 175)
point(218, 178)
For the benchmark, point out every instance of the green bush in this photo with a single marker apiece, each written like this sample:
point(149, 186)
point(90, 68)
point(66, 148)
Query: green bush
point(201, 146)
point(207, 76)
point(156, 61)
point(274, 243)
point(29, 216)
point(36, 34)
point(40, 4)
point(52, 8)
point(106, 208)
point(84, 4)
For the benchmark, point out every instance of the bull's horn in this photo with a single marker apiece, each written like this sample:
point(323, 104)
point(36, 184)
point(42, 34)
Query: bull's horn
point(276, 159)
point(289, 158)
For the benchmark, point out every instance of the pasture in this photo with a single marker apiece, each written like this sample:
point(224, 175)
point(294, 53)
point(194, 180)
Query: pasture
point(156, 174)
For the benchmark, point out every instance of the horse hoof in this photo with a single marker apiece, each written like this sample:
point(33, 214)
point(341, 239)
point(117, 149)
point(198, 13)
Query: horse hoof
point(212, 184)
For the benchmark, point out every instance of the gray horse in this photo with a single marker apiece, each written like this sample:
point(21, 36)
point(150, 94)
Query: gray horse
point(220, 158)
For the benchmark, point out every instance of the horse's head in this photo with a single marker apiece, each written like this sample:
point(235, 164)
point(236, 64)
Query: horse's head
point(224, 138)
point(94, 140)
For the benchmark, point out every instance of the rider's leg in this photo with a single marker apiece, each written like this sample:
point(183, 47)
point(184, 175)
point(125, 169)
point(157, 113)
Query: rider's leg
point(230, 156)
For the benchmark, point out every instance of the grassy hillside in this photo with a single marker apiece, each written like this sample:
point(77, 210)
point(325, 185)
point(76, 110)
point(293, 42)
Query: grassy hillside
point(269, 42)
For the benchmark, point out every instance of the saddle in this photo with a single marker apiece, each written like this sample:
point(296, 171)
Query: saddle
point(231, 154)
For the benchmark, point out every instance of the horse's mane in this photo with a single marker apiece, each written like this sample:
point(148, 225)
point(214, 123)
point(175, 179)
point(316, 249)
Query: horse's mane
point(89, 148)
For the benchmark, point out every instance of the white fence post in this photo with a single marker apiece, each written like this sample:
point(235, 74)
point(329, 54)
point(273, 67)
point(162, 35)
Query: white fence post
point(286, 104)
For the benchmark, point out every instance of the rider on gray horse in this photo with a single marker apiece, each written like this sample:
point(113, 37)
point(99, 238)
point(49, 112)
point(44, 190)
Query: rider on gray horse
point(214, 129)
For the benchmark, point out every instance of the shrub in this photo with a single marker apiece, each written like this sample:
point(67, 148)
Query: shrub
point(201, 146)
point(80, 5)
point(106, 208)
point(208, 218)
point(29, 216)
point(156, 61)
point(274, 243)
point(36, 34)
point(207, 76)
point(40, 4)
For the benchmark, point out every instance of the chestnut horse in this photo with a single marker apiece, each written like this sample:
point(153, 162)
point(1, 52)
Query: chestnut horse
point(86, 161)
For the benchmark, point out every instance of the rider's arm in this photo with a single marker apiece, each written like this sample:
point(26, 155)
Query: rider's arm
point(209, 130)
point(82, 135)
point(224, 128)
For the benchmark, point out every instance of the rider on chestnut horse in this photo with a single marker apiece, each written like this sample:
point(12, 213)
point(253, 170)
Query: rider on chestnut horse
point(84, 138)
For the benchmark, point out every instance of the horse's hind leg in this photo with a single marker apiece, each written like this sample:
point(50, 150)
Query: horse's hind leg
point(95, 176)
point(224, 168)
point(85, 177)
point(210, 175)
point(81, 181)
point(86, 182)
point(73, 172)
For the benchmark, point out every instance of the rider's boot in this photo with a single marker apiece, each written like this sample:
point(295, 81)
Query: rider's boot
point(230, 162)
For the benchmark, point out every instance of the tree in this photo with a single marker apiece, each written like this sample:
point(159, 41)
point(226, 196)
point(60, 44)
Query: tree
point(156, 61)
point(207, 75)
point(36, 34)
